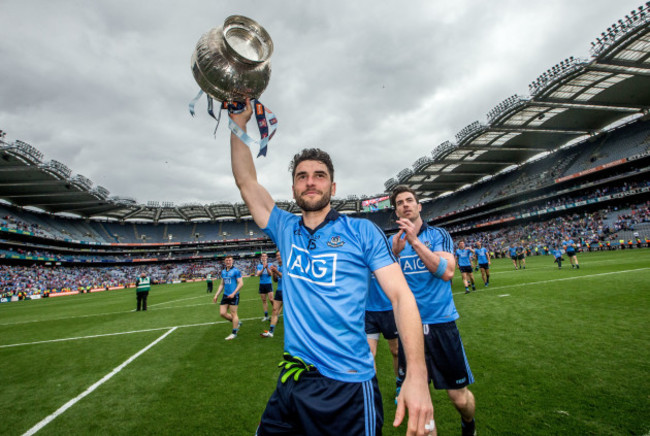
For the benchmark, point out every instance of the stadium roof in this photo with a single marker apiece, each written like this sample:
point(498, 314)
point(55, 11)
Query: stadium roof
point(574, 99)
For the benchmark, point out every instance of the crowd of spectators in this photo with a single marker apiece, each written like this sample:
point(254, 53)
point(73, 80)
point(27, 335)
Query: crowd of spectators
point(589, 230)
point(43, 280)
point(638, 214)
point(562, 201)
point(96, 256)
point(15, 223)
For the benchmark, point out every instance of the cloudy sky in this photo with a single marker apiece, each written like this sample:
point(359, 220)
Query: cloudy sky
point(103, 86)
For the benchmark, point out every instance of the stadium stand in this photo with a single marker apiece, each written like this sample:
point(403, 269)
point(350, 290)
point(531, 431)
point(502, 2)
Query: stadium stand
point(570, 160)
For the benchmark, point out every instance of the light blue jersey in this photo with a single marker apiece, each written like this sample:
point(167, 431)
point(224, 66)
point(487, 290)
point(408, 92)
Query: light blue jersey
point(229, 277)
point(433, 295)
point(464, 257)
point(325, 289)
point(377, 300)
point(557, 253)
point(265, 277)
point(569, 246)
point(481, 254)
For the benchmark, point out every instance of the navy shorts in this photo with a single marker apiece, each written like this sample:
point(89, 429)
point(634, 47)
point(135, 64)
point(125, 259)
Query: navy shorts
point(318, 406)
point(484, 265)
point(445, 356)
point(381, 322)
point(570, 253)
point(513, 257)
point(265, 288)
point(520, 257)
point(278, 295)
point(465, 269)
point(234, 301)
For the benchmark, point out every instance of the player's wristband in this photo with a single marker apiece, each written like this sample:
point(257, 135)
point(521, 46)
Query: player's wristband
point(442, 267)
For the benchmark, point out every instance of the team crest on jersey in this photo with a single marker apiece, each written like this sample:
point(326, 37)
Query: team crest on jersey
point(427, 244)
point(319, 269)
point(335, 242)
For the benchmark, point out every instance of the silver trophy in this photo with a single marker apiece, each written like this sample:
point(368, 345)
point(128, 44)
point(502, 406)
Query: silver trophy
point(232, 62)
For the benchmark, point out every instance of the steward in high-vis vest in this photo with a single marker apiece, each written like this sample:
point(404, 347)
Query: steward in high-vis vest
point(143, 285)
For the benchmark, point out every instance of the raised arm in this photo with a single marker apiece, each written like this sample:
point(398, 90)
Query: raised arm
point(255, 196)
point(414, 396)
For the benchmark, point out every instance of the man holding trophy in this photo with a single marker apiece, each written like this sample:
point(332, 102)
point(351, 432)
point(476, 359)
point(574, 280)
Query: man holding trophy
point(327, 384)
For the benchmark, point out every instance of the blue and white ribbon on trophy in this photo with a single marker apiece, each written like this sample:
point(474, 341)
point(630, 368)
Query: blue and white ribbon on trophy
point(267, 123)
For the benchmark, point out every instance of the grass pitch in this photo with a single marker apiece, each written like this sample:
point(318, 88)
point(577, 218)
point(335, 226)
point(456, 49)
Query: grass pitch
point(553, 352)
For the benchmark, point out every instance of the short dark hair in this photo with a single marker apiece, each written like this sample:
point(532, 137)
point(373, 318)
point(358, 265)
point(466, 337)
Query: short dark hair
point(312, 154)
point(398, 190)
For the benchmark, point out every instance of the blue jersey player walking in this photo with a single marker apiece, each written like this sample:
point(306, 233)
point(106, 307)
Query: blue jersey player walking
point(266, 284)
point(327, 384)
point(571, 251)
point(464, 261)
point(428, 263)
point(231, 282)
point(483, 260)
point(276, 273)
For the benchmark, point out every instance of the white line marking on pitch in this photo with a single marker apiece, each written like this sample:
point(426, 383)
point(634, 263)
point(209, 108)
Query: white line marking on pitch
point(122, 333)
point(504, 295)
point(175, 301)
point(557, 280)
point(115, 313)
point(88, 391)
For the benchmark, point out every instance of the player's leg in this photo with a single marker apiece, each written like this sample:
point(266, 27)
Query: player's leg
point(393, 347)
point(463, 400)
point(235, 318)
point(265, 306)
point(223, 312)
point(275, 315)
point(465, 281)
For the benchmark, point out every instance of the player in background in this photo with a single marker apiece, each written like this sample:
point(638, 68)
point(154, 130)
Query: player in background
point(425, 255)
point(380, 319)
point(463, 260)
point(266, 284)
point(521, 255)
point(557, 254)
point(276, 273)
point(142, 288)
point(328, 367)
point(571, 251)
point(512, 252)
point(208, 282)
point(484, 261)
point(231, 282)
